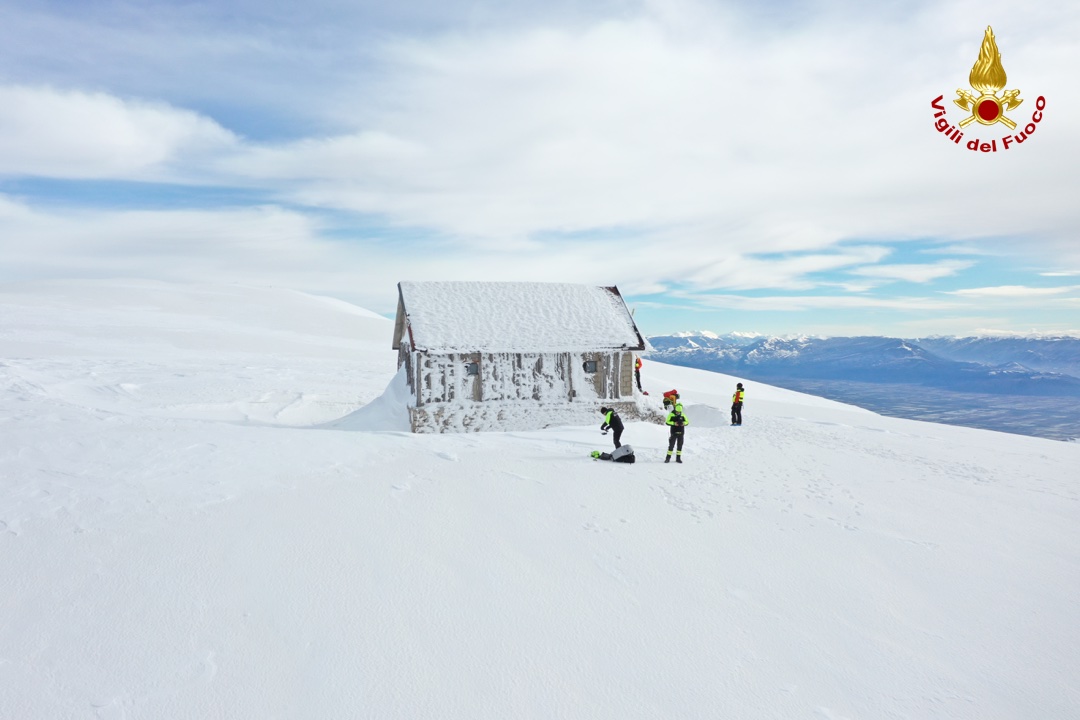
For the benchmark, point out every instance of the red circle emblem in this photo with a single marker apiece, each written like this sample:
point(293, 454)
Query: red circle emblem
point(989, 110)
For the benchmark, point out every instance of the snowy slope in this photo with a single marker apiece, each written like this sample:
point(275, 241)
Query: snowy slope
point(199, 518)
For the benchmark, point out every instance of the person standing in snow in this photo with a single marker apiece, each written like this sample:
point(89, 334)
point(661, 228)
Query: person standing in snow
point(736, 405)
point(612, 422)
point(637, 374)
point(677, 422)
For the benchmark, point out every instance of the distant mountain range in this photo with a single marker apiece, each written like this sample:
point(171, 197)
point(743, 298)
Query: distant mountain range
point(1047, 366)
point(1051, 354)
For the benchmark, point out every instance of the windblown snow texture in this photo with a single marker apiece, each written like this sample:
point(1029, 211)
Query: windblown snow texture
point(208, 509)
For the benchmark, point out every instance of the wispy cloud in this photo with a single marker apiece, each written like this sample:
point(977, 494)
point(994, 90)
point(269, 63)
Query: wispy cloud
point(916, 273)
point(821, 302)
point(956, 249)
point(739, 272)
point(1013, 291)
point(225, 245)
point(73, 134)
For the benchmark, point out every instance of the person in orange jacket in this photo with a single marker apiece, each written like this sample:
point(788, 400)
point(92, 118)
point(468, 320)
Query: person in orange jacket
point(637, 375)
point(736, 405)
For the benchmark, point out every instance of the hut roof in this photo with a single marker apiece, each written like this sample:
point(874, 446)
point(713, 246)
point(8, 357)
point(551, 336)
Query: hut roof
point(514, 317)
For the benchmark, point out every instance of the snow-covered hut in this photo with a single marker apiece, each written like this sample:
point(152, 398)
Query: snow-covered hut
point(514, 355)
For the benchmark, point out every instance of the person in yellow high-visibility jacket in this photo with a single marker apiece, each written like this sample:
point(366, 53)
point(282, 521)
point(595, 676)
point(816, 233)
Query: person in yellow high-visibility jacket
point(677, 422)
point(612, 422)
point(736, 405)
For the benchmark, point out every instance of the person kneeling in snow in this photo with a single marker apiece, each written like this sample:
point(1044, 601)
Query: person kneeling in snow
point(613, 422)
point(622, 454)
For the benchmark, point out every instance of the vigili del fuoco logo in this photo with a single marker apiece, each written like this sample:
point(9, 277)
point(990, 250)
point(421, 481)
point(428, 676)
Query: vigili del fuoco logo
point(988, 108)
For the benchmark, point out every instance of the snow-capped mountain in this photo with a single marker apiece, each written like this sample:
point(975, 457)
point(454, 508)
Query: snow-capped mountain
point(986, 368)
point(703, 339)
point(1060, 354)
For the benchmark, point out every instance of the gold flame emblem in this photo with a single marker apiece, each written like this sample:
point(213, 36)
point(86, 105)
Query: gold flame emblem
point(988, 77)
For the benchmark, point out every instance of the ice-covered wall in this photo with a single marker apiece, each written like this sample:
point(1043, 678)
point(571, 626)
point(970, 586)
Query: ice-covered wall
point(506, 416)
point(537, 377)
point(516, 391)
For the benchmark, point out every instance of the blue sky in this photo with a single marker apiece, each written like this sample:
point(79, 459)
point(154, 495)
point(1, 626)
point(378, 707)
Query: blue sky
point(768, 167)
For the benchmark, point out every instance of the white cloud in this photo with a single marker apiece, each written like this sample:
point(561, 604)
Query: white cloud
point(714, 148)
point(273, 245)
point(1012, 291)
point(737, 272)
point(822, 302)
point(917, 273)
point(340, 159)
point(250, 243)
point(693, 127)
point(71, 134)
point(678, 114)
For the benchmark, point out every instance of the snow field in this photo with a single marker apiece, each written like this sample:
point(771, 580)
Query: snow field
point(202, 517)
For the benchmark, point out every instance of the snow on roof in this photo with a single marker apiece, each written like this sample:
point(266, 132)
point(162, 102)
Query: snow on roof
point(516, 317)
